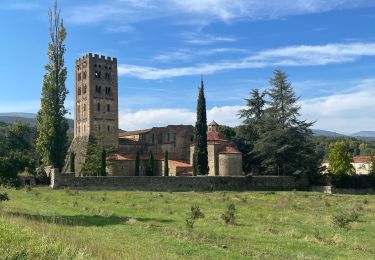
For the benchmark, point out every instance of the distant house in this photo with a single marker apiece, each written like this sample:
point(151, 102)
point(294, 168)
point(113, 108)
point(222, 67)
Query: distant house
point(361, 164)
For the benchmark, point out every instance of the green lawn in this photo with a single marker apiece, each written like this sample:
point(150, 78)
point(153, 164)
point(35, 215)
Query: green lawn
point(65, 224)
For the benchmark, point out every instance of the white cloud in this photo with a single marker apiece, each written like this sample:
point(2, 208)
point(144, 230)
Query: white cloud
point(343, 113)
point(204, 10)
point(303, 55)
point(206, 39)
point(189, 54)
point(226, 115)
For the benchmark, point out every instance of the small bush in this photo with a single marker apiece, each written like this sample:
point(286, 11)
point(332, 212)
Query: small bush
point(189, 223)
point(195, 213)
point(343, 220)
point(229, 216)
point(4, 196)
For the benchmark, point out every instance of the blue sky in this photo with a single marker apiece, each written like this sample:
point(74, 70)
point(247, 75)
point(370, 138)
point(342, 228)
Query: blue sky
point(164, 46)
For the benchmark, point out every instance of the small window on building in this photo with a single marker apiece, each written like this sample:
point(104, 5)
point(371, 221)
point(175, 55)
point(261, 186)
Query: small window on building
point(84, 107)
point(105, 67)
point(84, 89)
point(84, 75)
point(100, 66)
point(169, 137)
point(79, 91)
point(97, 74)
point(98, 106)
point(95, 65)
point(110, 68)
point(108, 108)
point(108, 128)
point(79, 76)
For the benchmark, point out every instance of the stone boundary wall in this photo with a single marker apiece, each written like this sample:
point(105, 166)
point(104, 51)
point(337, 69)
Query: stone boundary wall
point(181, 183)
point(334, 190)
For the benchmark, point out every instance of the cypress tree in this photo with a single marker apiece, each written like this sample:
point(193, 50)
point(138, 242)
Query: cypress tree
point(137, 161)
point(103, 163)
point(53, 126)
point(200, 136)
point(72, 162)
point(166, 166)
point(150, 165)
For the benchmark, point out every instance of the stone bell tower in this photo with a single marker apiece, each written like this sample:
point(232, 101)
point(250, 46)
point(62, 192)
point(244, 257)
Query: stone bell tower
point(96, 106)
point(96, 98)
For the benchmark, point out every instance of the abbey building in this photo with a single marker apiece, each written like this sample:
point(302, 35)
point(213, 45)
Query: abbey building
point(96, 111)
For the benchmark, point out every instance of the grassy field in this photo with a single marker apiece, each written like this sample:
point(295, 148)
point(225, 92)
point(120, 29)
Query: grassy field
point(45, 224)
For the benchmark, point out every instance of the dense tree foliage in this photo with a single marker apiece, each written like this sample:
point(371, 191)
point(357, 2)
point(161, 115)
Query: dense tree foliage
point(356, 146)
point(17, 151)
point(272, 138)
point(340, 159)
point(53, 126)
point(200, 136)
point(95, 163)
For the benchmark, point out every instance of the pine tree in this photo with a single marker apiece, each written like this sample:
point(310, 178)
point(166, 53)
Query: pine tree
point(137, 161)
point(200, 135)
point(248, 133)
point(166, 166)
point(53, 126)
point(255, 108)
point(285, 145)
point(340, 159)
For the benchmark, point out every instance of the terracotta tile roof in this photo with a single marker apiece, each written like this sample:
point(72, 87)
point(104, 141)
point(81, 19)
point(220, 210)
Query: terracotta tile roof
point(136, 132)
point(215, 136)
point(131, 157)
point(361, 159)
point(230, 150)
point(179, 163)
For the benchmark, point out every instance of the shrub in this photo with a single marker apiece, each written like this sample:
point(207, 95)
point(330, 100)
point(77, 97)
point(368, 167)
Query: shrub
point(344, 219)
point(195, 213)
point(229, 216)
point(4, 196)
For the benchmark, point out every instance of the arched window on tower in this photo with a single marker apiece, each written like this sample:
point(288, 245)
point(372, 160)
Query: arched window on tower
point(108, 108)
point(98, 106)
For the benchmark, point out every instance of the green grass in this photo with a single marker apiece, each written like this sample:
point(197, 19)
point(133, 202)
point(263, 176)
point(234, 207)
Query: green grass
point(45, 224)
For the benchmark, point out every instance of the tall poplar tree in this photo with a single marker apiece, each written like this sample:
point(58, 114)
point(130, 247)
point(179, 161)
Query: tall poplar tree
point(53, 126)
point(200, 136)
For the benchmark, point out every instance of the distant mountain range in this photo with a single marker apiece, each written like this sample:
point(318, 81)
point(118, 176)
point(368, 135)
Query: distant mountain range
point(318, 132)
point(31, 119)
point(363, 135)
